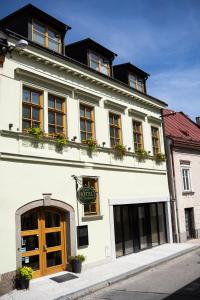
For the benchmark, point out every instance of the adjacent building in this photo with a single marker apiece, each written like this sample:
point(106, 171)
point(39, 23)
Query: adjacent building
point(58, 103)
point(183, 156)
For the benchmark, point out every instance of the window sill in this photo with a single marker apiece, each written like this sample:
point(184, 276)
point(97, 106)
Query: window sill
point(91, 218)
point(187, 193)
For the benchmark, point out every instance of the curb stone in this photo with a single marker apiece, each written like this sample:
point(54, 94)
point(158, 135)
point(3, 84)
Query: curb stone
point(98, 286)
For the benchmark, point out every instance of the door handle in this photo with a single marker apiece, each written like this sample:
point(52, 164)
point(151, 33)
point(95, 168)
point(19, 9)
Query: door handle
point(45, 247)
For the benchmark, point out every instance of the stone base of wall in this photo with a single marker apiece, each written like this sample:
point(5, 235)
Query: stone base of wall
point(7, 282)
point(183, 237)
point(197, 233)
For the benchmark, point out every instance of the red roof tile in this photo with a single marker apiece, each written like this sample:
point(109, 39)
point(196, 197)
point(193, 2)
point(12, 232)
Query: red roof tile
point(179, 126)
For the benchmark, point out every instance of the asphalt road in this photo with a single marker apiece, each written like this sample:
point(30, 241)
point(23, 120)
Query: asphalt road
point(178, 279)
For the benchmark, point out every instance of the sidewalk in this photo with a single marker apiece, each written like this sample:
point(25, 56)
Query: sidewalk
point(93, 279)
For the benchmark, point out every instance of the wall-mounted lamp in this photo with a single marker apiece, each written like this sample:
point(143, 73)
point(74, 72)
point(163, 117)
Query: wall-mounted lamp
point(10, 125)
point(74, 138)
point(103, 144)
point(5, 48)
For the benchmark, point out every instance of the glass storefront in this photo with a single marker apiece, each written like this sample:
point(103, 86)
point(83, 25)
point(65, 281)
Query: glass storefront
point(139, 227)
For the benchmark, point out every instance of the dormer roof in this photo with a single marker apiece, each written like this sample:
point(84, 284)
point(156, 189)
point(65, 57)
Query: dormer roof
point(93, 45)
point(33, 11)
point(130, 67)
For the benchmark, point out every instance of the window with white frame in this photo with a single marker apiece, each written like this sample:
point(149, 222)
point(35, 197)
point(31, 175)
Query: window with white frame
point(186, 178)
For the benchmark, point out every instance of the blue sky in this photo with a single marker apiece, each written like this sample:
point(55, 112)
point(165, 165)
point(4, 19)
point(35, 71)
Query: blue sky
point(162, 37)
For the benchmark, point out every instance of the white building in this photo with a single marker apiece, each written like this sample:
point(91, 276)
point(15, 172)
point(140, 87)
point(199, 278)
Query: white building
point(183, 153)
point(39, 211)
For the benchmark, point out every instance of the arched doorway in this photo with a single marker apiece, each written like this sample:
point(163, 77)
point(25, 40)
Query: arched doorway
point(45, 236)
point(43, 240)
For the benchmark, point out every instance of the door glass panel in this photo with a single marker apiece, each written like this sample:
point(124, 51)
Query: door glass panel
point(53, 239)
point(154, 226)
point(52, 219)
point(142, 228)
point(29, 242)
point(135, 227)
point(128, 234)
point(54, 259)
point(31, 261)
point(161, 223)
point(118, 231)
point(29, 221)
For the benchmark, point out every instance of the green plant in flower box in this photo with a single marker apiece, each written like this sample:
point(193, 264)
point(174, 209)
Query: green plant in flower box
point(61, 140)
point(160, 157)
point(142, 154)
point(120, 149)
point(37, 132)
point(91, 143)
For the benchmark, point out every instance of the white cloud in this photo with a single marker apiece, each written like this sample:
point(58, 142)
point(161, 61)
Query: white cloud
point(179, 88)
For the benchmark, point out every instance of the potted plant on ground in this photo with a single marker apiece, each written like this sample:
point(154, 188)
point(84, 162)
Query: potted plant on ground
point(76, 262)
point(23, 277)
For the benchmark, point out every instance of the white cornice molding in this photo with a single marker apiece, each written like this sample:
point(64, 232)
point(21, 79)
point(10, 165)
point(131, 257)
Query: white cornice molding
point(88, 77)
point(58, 82)
point(154, 120)
point(114, 105)
point(82, 164)
point(136, 113)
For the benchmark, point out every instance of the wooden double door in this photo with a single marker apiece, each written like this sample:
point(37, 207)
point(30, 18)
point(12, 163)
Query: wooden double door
point(43, 241)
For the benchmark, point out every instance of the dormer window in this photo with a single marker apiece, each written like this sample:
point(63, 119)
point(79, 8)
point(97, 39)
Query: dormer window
point(46, 36)
point(99, 63)
point(136, 82)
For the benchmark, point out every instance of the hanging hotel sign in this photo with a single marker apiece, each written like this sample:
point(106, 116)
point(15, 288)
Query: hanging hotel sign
point(86, 194)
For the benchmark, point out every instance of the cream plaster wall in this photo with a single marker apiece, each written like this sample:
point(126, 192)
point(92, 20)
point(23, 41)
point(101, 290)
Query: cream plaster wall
point(30, 169)
point(188, 200)
point(25, 182)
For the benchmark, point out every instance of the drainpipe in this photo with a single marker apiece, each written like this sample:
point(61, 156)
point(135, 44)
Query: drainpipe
point(174, 199)
point(171, 185)
point(172, 189)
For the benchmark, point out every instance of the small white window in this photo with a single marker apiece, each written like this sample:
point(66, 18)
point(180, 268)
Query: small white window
point(186, 179)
